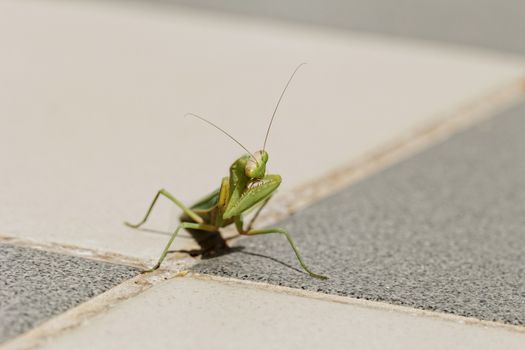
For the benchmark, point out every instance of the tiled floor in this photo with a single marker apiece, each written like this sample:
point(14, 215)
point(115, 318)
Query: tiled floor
point(91, 127)
point(114, 131)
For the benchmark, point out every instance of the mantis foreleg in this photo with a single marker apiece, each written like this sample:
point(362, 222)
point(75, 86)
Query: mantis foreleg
point(192, 225)
point(168, 195)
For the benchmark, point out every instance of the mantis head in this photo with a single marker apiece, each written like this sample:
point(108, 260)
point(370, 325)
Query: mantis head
point(256, 165)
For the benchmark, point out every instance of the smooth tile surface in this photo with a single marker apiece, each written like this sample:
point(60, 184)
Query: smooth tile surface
point(441, 231)
point(93, 96)
point(187, 313)
point(36, 285)
point(491, 24)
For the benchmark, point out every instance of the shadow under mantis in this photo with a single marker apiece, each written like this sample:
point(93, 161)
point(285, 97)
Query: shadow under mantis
point(213, 245)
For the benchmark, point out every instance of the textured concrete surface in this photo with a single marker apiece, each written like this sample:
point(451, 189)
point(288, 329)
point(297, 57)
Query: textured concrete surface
point(36, 285)
point(487, 23)
point(444, 230)
point(185, 313)
point(91, 119)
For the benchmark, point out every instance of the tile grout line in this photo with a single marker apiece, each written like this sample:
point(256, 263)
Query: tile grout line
point(460, 118)
point(76, 251)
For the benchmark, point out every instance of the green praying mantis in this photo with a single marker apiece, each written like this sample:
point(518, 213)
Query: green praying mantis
point(247, 187)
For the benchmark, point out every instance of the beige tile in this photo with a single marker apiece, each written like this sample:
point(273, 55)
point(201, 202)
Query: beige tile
point(185, 313)
point(93, 97)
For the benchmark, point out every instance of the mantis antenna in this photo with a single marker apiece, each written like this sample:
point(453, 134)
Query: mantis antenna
point(278, 102)
point(219, 128)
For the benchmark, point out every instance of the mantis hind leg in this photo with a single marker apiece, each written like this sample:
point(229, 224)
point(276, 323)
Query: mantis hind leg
point(292, 244)
point(190, 213)
point(186, 225)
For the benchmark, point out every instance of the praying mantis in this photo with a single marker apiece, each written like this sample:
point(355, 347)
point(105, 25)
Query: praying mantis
point(246, 187)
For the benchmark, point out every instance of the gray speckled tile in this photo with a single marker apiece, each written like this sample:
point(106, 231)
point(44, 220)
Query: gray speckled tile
point(36, 285)
point(487, 23)
point(443, 230)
